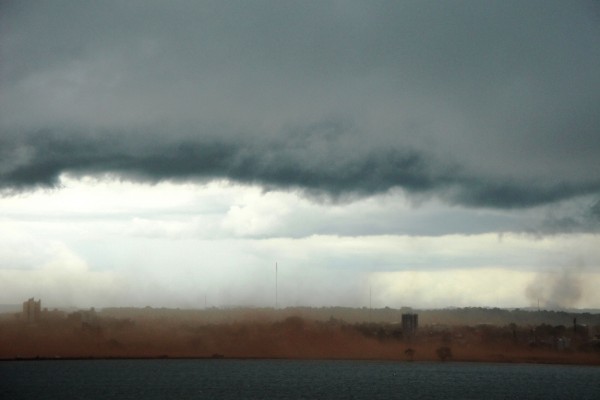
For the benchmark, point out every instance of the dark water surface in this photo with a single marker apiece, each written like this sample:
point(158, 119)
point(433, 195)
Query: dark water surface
point(286, 379)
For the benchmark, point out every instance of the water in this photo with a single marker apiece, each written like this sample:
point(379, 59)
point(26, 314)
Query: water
point(286, 379)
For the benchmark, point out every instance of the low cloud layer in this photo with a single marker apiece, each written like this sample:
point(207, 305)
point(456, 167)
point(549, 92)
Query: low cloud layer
point(284, 163)
point(479, 104)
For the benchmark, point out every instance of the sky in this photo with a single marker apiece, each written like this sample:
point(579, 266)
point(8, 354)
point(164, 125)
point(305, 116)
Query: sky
point(197, 154)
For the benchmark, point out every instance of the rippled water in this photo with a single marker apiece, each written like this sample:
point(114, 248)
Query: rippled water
point(283, 379)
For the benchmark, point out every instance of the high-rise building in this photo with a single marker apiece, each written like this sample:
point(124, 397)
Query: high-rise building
point(32, 311)
point(410, 324)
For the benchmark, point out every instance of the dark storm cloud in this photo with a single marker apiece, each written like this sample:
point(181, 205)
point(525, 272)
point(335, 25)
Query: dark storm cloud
point(489, 104)
point(285, 162)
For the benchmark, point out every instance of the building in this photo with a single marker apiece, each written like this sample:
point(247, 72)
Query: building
point(410, 324)
point(31, 311)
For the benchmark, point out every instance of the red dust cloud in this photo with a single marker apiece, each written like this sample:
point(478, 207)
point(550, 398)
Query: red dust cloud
point(473, 334)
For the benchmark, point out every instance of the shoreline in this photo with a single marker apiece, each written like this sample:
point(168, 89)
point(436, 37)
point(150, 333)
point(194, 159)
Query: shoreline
point(588, 362)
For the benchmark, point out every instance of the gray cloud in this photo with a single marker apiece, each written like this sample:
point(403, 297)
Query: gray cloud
point(575, 216)
point(594, 211)
point(482, 104)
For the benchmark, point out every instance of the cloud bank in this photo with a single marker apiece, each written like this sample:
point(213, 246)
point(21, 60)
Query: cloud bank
point(437, 152)
point(479, 104)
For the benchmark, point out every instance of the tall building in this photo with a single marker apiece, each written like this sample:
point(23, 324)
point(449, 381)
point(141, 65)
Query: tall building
point(410, 324)
point(31, 311)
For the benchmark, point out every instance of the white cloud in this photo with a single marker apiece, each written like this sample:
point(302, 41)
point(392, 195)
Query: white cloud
point(488, 287)
point(104, 242)
point(65, 280)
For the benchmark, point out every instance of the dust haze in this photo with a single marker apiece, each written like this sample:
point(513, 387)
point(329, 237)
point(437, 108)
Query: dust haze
point(558, 290)
point(464, 334)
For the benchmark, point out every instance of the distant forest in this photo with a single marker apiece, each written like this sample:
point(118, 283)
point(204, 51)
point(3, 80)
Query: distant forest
point(452, 316)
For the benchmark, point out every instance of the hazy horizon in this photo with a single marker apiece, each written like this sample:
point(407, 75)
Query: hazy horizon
point(422, 154)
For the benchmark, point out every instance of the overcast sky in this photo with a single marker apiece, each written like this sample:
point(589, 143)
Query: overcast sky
point(170, 153)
